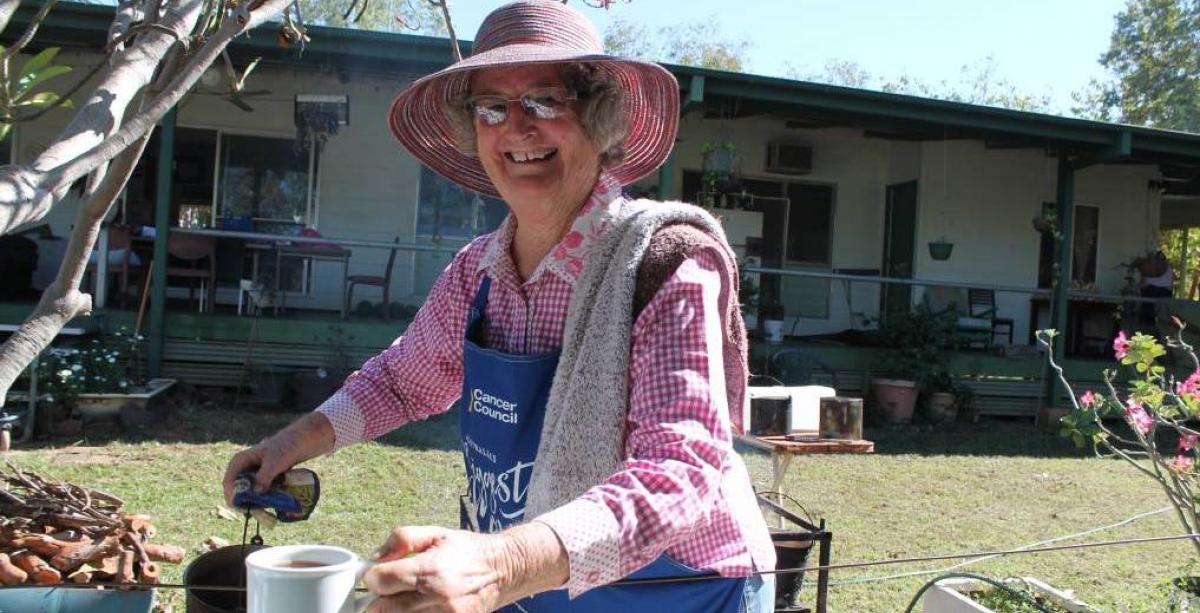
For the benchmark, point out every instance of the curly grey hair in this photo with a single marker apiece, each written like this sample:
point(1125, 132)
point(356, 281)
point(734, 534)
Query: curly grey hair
point(601, 112)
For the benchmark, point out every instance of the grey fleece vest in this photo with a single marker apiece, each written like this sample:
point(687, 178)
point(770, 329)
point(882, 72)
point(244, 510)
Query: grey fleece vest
point(583, 434)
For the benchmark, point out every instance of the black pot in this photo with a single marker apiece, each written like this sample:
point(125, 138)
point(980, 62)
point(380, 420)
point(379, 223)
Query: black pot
point(789, 553)
point(224, 567)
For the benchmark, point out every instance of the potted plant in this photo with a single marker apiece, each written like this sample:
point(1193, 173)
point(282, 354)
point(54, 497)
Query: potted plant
point(1160, 412)
point(102, 378)
point(940, 249)
point(941, 393)
point(916, 340)
point(771, 314)
point(718, 178)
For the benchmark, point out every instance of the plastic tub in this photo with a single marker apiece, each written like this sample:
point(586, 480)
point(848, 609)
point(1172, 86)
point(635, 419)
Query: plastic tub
point(74, 600)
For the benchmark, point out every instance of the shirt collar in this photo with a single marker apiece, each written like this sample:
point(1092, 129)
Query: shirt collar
point(566, 258)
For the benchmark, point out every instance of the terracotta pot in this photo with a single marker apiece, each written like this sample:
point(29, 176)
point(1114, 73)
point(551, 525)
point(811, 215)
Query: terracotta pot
point(896, 398)
point(943, 406)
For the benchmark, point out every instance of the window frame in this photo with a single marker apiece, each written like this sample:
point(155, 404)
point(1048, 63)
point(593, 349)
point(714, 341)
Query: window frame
point(1045, 268)
point(313, 198)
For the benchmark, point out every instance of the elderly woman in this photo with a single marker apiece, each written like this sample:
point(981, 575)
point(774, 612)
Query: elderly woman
point(593, 343)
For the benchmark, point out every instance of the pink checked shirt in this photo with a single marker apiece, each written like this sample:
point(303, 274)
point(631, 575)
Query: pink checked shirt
point(676, 491)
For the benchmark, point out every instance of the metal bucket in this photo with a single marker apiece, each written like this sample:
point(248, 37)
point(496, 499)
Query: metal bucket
point(223, 567)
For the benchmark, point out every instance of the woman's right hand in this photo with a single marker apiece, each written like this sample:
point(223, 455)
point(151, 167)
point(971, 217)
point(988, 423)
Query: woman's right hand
point(306, 438)
point(263, 459)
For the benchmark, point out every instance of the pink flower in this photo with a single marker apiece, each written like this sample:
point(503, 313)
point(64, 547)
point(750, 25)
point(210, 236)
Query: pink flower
point(575, 267)
point(1190, 386)
point(1188, 440)
point(560, 252)
point(1181, 464)
point(572, 239)
point(1088, 399)
point(1120, 345)
point(1139, 417)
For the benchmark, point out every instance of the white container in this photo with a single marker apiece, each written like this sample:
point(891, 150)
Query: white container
point(92, 406)
point(947, 596)
point(804, 412)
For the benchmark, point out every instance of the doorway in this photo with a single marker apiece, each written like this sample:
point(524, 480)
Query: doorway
point(899, 245)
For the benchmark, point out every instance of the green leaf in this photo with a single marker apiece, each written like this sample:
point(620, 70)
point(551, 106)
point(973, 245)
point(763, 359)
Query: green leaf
point(37, 62)
point(24, 87)
point(40, 100)
point(4, 130)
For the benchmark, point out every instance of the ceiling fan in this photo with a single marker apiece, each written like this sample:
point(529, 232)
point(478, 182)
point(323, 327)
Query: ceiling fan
point(236, 93)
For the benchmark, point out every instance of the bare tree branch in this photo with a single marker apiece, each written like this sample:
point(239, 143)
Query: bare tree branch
point(445, 6)
point(128, 13)
point(62, 301)
point(30, 30)
point(27, 192)
point(7, 8)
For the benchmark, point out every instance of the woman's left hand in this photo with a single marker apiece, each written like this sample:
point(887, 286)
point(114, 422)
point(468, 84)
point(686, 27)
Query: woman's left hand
point(427, 568)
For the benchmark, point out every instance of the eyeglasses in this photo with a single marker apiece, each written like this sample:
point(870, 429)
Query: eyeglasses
point(539, 103)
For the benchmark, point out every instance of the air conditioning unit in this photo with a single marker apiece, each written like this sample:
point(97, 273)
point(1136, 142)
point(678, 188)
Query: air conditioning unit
point(789, 158)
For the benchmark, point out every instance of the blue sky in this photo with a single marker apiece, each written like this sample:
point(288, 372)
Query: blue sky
point(1042, 46)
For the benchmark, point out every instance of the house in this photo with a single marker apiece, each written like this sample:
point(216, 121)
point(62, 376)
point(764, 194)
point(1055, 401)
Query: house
point(851, 197)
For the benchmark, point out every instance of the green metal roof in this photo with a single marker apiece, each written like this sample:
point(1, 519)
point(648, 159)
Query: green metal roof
point(883, 114)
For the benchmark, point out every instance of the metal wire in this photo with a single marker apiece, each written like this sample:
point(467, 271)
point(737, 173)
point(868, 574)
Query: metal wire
point(625, 582)
point(955, 567)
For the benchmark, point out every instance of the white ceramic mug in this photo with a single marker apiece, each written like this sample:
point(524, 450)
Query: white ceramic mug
point(323, 582)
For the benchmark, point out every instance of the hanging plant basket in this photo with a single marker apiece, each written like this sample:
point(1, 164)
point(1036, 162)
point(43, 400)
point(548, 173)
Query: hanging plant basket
point(940, 250)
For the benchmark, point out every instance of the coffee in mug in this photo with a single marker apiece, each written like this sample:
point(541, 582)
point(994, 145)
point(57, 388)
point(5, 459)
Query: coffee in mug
point(301, 564)
point(305, 579)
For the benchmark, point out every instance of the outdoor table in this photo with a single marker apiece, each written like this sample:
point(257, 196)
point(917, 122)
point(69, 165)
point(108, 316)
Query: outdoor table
point(329, 254)
point(782, 449)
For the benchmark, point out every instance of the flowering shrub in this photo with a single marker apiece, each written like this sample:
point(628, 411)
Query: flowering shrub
point(101, 366)
point(1157, 408)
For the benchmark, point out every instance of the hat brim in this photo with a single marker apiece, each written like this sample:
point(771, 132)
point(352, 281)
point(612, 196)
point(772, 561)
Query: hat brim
point(651, 98)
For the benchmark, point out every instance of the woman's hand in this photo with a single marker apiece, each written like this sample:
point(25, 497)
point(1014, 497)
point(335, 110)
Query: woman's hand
point(446, 570)
point(307, 437)
point(427, 568)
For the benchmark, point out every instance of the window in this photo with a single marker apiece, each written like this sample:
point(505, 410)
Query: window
point(797, 220)
point(266, 179)
point(450, 215)
point(1085, 241)
point(447, 211)
point(803, 234)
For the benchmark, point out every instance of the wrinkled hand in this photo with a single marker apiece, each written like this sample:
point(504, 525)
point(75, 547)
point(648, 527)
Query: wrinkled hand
point(262, 458)
point(433, 569)
point(306, 438)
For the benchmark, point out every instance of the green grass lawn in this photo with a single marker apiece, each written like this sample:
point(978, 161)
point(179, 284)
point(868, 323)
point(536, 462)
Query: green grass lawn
point(927, 490)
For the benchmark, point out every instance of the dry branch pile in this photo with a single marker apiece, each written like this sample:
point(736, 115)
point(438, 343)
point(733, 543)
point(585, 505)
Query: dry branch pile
point(54, 532)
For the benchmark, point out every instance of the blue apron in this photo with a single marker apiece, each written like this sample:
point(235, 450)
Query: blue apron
point(503, 403)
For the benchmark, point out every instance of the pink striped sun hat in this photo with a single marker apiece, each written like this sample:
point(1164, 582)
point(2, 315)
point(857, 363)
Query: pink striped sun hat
point(533, 32)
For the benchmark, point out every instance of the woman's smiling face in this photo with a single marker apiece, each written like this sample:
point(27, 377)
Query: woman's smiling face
point(545, 161)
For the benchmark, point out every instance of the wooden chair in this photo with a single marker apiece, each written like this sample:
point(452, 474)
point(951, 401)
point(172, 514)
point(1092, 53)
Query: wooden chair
point(796, 367)
point(384, 283)
point(122, 261)
point(194, 250)
point(981, 304)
